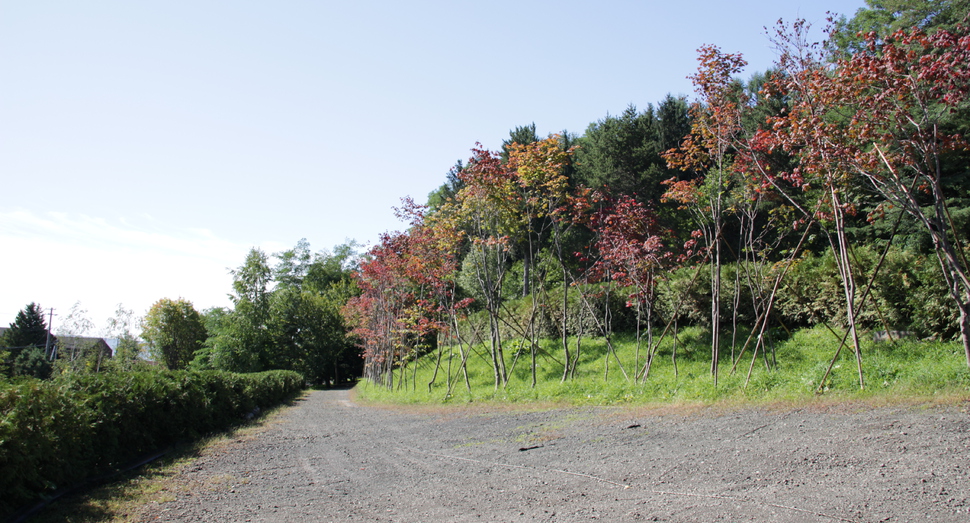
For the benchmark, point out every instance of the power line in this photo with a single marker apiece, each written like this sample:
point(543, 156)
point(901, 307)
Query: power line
point(22, 347)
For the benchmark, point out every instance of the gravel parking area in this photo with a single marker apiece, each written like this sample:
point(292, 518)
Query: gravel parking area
point(328, 459)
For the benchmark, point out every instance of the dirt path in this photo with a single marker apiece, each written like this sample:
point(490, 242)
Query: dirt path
point(330, 460)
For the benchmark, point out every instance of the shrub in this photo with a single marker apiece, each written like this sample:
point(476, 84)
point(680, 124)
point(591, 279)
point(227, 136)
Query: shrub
point(56, 433)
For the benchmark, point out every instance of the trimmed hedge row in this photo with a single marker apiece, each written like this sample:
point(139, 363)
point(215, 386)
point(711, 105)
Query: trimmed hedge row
point(57, 433)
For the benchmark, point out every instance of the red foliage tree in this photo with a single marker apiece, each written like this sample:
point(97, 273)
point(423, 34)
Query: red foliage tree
point(875, 118)
point(707, 150)
point(632, 252)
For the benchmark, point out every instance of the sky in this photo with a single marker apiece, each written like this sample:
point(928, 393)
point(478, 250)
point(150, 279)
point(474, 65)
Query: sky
point(145, 147)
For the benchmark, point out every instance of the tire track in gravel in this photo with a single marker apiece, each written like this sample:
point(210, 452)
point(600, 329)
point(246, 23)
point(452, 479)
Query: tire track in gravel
point(328, 459)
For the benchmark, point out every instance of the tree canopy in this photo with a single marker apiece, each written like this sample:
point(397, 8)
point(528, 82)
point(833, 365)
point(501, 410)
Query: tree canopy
point(174, 332)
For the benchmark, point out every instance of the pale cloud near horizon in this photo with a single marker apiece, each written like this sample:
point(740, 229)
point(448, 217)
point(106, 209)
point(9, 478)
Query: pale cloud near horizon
point(57, 259)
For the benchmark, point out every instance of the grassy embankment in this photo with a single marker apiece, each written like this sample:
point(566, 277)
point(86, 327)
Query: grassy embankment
point(892, 370)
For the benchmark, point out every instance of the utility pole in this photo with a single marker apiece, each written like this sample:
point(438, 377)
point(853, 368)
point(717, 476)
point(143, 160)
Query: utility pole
point(47, 344)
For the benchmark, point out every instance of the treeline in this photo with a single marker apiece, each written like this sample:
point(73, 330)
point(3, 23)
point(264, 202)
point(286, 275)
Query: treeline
point(831, 189)
point(285, 316)
point(28, 347)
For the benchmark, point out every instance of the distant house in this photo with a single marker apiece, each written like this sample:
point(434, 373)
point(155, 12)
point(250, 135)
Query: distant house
point(73, 346)
point(76, 350)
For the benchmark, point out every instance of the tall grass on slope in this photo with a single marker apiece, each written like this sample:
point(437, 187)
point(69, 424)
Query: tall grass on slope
point(792, 370)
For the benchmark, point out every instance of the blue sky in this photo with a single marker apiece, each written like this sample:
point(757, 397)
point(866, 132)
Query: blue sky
point(146, 146)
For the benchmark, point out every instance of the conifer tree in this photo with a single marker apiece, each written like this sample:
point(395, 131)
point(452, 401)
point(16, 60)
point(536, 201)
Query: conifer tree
point(23, 345)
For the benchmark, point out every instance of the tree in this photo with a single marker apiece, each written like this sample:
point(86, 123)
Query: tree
point(174, 332)
point(543, 189)
point(307, 334)
point(882, 18)
point(285, 315)
point(216, 350)
point(27, 330)
point(23, 346)
point(891, 102)
point(245, 344)
point(378, 316)
point(708, 149)
point(32, 362)
point(623, 153)
point(632, 252)
point(489, 209)
point(618, 152)
point(75, 351)
point(293, 265)
point(903, 95)
point(121, 327)
point(521, 135)
point(809, 131)
point(305, 326)
point(447, 190)
point(336, 268)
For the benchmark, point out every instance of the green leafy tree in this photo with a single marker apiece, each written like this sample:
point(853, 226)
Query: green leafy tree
point(218, 324)
point(244, 344)
point(293, 265)
point(174, 332)
point(305, 323)
point(308, 333)
point(285, 315)
point(330, 269)
point(121, 327)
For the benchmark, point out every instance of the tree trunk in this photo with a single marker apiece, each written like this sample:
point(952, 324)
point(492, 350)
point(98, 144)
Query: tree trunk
point(841, 249)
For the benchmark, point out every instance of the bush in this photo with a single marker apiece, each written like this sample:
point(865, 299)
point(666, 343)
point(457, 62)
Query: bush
point(56, 433)
point(909, 294)
point(581, 317)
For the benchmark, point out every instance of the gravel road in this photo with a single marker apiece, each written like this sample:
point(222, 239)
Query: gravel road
point(328, 459)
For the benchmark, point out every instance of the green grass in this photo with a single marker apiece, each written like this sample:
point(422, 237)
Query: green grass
point(904, 369)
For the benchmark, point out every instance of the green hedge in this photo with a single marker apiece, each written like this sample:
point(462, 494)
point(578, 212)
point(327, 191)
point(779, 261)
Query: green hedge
point(57, 433)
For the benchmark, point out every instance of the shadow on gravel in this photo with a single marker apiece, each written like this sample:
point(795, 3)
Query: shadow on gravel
point(342, 386)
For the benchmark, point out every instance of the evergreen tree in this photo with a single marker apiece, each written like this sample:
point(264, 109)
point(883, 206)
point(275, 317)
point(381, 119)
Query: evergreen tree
point(884, 17)
point(28, 330)
point(623, 152)
point(522, 135)
point(449, 189)
point(32, 362)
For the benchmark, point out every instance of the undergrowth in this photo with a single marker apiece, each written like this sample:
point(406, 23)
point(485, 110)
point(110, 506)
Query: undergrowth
point(792, 369)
